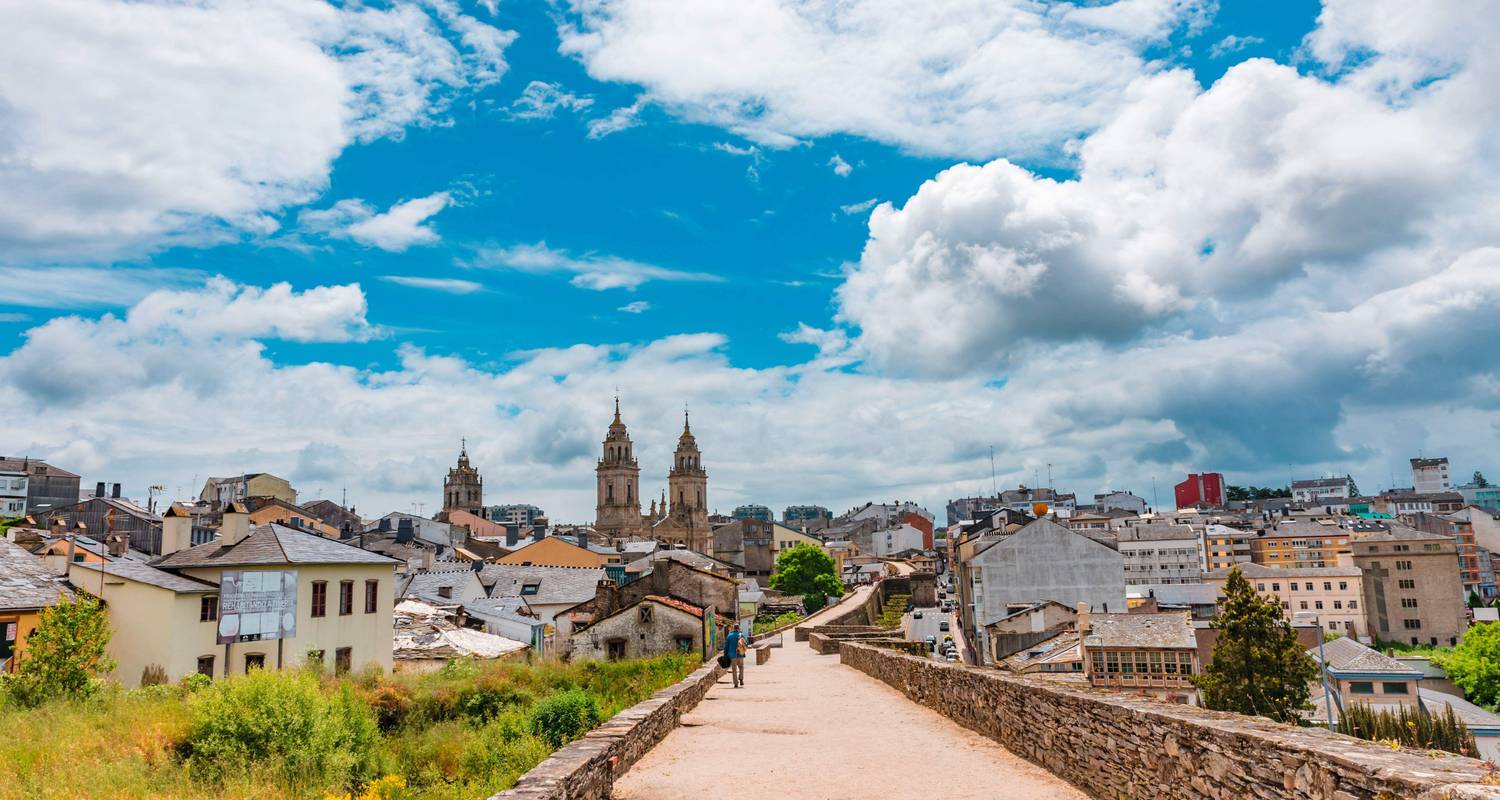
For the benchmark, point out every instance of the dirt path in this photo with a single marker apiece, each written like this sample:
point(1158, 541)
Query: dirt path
point(805, 726)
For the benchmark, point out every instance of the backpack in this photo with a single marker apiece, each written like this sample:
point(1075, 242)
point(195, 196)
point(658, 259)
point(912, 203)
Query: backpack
point(741, 647)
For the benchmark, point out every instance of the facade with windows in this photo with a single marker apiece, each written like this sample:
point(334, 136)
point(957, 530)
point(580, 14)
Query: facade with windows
point(13, 484)
point(1153, 654)
point(1334, 595)
point(1299, 545)
point(1160, 554)
point(655, 626)
point(1413, 592)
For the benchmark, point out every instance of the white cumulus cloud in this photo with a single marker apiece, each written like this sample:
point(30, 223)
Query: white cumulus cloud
point(403, 225)
point(589, 271)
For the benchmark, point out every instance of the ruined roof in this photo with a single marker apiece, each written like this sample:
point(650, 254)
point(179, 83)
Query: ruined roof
point(427, 584)
point(271, 544)
point(1061, 648)
point(423, 631)
point(1170, 630)
point(25, 580)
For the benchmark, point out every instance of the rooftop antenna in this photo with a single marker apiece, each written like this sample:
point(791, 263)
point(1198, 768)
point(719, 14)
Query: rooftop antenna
point(1049, 476)
point(344, 499)
point(1154, 503)
point(994, 487)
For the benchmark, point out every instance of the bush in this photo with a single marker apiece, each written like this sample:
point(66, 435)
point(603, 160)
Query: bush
point(564, 716)
point(65, 656)
point(392, 704)
point(154, 675)
point(1411, 727)
point(196, 682)
point(284, 722)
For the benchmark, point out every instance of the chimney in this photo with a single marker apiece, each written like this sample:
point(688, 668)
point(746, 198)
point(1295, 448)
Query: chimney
point(512, 535)
point(1083, 619)
point(176, 529)
point(236, 524)
point(117, 543)
point(538, 531)
point(427, 559)
point(99, 489)
point(404, 531)
point(385, 524)
point(583, 539)
point(115, 491)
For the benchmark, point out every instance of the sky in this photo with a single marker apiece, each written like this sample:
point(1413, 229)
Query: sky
point(863, 242)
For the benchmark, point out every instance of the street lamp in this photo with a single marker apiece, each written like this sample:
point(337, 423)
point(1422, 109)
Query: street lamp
point(1323, 667)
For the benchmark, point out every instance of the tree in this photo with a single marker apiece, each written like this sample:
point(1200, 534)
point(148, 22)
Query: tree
point(1353, 487)
point(808, 571)
point(1475, 601)
point(1479, 481)
point(1259, 667)
point(65, 655)
point(1475, 664)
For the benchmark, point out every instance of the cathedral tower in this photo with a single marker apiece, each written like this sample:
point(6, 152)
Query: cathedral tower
point(463, 489)
point(687, 490)
point(618, 510)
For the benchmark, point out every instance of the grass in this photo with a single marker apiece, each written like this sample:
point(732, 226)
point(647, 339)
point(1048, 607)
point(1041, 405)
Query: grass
point(462, 733)
point(1411, 649)
point(772, 623)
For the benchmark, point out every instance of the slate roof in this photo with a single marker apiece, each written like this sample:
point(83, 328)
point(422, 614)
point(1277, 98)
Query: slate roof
point(25, 580)
point(1403, 533)
point(1173, 630)
point(1320, 483)
point(426, 584)
point(1061, 648)
point(1250, 570)
point(568, 585)
point(147, 574)
point(271, 544)
point(29, 465)
point(1157, 531)
point(689, 557)
point(1346, 655)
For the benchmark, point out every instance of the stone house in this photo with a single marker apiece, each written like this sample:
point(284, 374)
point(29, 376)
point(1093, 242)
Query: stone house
point(669, 578)
point(27, 586)
point(654, 626)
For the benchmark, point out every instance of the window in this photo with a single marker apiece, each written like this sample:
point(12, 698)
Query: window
point(530, 589)
point(1408, 602)
point(1304, 605)
point(1338, 604)
point(1394, 687)
point(208, 608)
point(372, 596)
point(1432, 548)
point(314, 657)
point(343, 660)
point(206, 665)
point(1412, 624)
point(1285, 605)
point(1307, 586)
point(255, 661)
point(1327, 586)
point(1353, 604)
point(1185, 663)
point(1333, 626)
point(1361, 687)
point(445, 592)
point(645, 613)
point(1343, 585)
point(1402, 548)
point(346, 598)
point(1407, 583)
point(1260, 587)
point(320, 598)
point(1403, 565)
point(614, 649)
point(1275, 587)
point(1318, 604)
point(685, 644)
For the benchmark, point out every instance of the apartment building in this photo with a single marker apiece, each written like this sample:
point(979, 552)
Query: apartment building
point(1160, 554)
point(1412, 590)
point(1461, 529)
point(1223, 547)
point(1335, 595)
point(1299, 544)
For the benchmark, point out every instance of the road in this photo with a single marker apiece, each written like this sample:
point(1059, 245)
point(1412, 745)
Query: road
point(806, 726)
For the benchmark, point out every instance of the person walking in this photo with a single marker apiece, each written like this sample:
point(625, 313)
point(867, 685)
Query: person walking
point(734, 650)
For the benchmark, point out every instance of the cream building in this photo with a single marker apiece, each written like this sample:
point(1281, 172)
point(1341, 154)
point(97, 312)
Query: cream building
point(1332, 594)
point(167, 613)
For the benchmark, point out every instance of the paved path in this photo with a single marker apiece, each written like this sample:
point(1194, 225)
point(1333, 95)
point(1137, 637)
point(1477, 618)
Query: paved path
point(805, 726)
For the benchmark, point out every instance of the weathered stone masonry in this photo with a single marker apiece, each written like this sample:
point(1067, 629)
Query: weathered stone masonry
point(1121, 747)
point(587, 768)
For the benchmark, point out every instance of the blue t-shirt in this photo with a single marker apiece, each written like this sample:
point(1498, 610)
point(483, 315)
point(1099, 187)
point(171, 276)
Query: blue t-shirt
point(732, 644)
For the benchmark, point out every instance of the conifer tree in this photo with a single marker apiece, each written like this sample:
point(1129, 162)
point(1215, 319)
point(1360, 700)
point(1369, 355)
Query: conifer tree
point(1258, 666)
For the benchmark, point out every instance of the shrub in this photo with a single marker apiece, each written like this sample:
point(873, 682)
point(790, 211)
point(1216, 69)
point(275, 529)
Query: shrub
point(564, 716)
point(65, 656)
point(284, 722)
point(392, 704)
point(1411, 727)
point(154, 675)
point(195, 682)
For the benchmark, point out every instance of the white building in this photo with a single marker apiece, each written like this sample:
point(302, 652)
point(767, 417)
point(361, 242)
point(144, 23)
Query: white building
point(13, 493)
point(1430, 475)
point(1160, 553)
point(1123, 500)
point(887, 514)
point(894, 540)
point(1323, 491)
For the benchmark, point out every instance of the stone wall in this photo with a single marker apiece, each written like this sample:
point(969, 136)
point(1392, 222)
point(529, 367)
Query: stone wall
point(587, 768)
point(1125, 747)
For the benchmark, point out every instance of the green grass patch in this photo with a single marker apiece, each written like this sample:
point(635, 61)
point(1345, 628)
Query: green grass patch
point(464, 732)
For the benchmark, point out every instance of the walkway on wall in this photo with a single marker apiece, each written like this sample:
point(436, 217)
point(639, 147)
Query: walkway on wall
point(805, 726)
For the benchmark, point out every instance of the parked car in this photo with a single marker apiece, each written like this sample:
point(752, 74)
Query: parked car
point(943, 626)
point(952, 655)
point(916, 614)
point(932, 645)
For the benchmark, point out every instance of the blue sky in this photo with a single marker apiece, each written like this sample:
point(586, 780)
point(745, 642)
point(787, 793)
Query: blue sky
point(1151, 184)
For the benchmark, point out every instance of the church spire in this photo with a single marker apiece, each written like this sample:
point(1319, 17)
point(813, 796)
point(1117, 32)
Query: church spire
point(686, 428)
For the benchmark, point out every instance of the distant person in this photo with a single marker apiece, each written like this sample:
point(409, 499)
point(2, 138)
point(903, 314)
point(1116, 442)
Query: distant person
point(734, 650)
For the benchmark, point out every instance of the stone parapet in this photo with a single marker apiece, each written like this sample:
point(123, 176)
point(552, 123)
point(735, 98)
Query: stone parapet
point(1126, 747)
point(587, 768)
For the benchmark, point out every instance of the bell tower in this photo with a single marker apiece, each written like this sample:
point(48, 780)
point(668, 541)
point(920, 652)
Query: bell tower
point(618, 506)
point(463, 489)
point(687, 489)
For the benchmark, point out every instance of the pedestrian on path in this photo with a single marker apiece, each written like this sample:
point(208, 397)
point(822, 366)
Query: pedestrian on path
point(734, 650)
